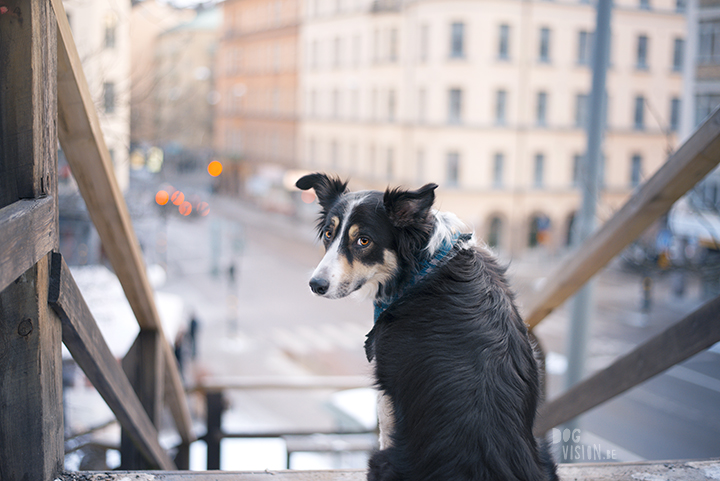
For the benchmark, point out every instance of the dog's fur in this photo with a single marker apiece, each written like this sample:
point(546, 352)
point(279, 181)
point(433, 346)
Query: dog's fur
point(451, 351)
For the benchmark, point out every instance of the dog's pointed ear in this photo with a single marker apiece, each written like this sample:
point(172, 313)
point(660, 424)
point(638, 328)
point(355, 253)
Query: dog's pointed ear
point(327, 189)
point(405, 207)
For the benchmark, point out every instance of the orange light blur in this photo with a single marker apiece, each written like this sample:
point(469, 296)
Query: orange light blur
point(177, 198)
point(162, 197)
point(185, 208)
point(308, 196)
point(215, 168)
point(203, 208)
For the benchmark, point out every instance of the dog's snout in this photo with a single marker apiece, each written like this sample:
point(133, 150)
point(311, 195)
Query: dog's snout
point(319, 286)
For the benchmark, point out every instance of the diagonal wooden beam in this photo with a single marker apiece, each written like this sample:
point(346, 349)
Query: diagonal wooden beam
point(84, 146)
point(686, 167)
point(85, 342)
point(696, 332)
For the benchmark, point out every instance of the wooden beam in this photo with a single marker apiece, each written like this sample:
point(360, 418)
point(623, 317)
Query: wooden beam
point(223, 383)
point(685, 168)
point(84, 146)
point(28, 232)
point(696, 332)
point(89, 349)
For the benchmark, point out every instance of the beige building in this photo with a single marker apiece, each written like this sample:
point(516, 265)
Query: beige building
point(256, 119)
point(487, 98)
point(102, 34)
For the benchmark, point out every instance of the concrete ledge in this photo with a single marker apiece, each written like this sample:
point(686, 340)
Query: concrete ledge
point(644, 471)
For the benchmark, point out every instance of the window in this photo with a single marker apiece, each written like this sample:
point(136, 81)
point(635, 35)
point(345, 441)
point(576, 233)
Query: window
point(544, 52)
point(577, 169)
point(674, 114)
point(110, 30)
point(704, 106)
point(421, 105)
point(539, 171)
point(391, 106)
point(390, 167)
point(355, 103)
point(424, 42)
point(500, 107)
point(581, 110)
point(454, 106)
point(678, 48)
point(541, 113)
point(539, 230)
point(334, 160)
point(495, 232)
point(709, 45)
point(453, 169)
point(356, 50)
point(337, 52)
point(312, 152)
point(376, 46)
point(498, 167)
point(374, 105)
point(645, 4)
point(639, 117)
point(642, 52)
point(315, 54)
point(109, 97)
point(635, 170)
point(393, 45)
point(313, 103)
point(584, 53)
point(420, 166)
point(457, 40)
point(680, 5)
point(335, 104)
point(504, 42)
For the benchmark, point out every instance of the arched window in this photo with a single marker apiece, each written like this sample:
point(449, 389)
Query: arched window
point(539, 230)
point(495, 232)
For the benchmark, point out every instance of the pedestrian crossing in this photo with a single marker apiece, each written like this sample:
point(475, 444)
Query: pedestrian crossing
point(306, 339)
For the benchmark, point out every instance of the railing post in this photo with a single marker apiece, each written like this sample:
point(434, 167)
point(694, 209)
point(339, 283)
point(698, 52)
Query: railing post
point(143, 366)
point(214, 402)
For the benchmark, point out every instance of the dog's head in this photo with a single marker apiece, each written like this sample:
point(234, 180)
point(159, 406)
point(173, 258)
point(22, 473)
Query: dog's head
point(370, 237)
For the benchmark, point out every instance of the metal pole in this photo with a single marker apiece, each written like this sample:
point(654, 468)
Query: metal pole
point(582, 302)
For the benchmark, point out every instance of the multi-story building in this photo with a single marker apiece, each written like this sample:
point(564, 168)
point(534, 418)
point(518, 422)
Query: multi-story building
point(256, 122)
point(102, 35)
point(488, 98)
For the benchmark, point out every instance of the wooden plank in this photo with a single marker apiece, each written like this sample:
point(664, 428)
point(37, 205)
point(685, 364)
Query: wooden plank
point(283, 382)
point(686, 167)
point(665, 470)
point(89, 349)
point(143, 365)
point(28, 232)
point(696, 332)
point(84, 146)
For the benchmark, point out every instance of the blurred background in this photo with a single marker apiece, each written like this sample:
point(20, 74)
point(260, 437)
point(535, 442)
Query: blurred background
point(211, 111)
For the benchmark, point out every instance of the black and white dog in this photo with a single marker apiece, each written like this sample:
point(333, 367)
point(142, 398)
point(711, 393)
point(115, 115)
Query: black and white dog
point(451, 351)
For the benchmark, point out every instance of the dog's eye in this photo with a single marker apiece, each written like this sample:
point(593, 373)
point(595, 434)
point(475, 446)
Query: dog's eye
point(363, 241)
point(328, 234)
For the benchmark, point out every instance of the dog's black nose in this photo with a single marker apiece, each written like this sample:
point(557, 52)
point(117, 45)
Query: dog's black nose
point(319, 286)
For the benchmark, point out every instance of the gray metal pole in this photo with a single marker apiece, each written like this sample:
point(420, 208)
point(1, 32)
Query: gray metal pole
point(585, 224)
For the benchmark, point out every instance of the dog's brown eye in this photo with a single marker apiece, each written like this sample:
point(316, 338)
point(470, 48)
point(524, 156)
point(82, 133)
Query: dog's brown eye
point(363, 241)
point(328, 234)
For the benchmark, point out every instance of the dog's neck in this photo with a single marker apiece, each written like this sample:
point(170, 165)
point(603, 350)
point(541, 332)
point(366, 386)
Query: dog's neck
point(443, 246)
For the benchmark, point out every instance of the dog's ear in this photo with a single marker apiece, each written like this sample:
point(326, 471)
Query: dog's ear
point(408, 207)
point(327, 189)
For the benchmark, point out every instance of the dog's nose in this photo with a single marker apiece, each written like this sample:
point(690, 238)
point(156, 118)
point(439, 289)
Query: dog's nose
point(319, 286)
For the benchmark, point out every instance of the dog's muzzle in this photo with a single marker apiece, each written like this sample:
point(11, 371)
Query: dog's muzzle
point(319, 286)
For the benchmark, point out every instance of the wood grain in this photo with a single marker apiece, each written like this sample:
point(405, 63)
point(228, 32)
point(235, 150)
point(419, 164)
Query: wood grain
point(85, 342)
point(685, 168)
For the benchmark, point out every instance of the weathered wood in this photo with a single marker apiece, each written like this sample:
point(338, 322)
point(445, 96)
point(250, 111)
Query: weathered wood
point(31, 418)
point(84, 146)
point(143, 365)
point(696, 332)
point(89, 349)
point(28, 232)
point(223, 383)
point(665, 470)
point(686, 167)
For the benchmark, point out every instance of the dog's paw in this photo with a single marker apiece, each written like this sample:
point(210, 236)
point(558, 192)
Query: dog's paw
point(380, 468)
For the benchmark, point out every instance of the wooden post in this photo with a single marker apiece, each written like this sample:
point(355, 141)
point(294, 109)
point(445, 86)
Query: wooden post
point(31, 418)
point(214, 403)
point(143, 366)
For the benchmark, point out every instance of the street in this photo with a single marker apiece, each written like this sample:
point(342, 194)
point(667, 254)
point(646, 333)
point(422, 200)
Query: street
point(260, 318)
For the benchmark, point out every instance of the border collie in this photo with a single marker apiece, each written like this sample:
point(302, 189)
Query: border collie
point(451, 351)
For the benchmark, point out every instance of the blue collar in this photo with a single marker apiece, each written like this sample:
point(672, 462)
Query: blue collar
point(447, 250)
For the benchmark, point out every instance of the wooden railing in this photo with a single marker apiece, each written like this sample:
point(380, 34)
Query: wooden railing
point(44, 98)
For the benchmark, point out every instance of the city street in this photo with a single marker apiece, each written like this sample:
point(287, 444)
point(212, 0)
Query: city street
point(262, 319)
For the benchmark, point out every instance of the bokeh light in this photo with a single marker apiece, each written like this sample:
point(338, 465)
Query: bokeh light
point(177, 197)
point(308, 196)
point(203, 208)
point(215, 168)
point(162, 197)
point(185, 208)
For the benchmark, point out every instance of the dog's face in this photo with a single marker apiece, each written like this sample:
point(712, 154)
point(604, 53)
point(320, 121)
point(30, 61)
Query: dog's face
point(363, 233)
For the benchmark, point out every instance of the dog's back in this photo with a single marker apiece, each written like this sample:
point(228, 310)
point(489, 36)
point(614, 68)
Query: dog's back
point(454, 357)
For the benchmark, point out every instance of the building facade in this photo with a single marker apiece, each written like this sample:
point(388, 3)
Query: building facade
point(488, 98)
point(256, 118)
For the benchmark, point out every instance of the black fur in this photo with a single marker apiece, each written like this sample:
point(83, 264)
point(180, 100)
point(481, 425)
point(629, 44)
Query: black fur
point(453, 356)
